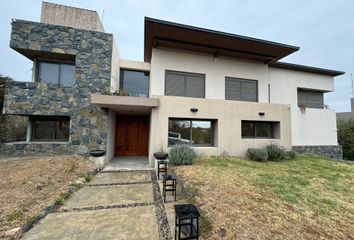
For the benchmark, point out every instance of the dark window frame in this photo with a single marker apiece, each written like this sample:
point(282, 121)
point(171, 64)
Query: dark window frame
point(183, 73)
point(51, 61)
point(32, 119)
point(213, 123)
point(271, 130)
point(308, 104)
point(237, 79)
point(121, 80)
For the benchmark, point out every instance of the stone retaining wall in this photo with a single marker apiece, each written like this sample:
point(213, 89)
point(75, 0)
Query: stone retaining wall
point(331, 151)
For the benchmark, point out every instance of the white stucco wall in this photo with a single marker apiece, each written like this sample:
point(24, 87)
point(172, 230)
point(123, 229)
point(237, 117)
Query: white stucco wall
point(114, 68)
point(111, 135)
point(314, 126)
point(215, 70)
point(228, 116)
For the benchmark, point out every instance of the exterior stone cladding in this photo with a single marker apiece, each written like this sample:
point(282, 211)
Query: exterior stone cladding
point(326, 151)
point(92, 52)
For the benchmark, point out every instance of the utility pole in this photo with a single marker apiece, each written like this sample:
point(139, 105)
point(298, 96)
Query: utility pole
point(351, 76)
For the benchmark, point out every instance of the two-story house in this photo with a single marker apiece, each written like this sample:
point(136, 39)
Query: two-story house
point(220, 92)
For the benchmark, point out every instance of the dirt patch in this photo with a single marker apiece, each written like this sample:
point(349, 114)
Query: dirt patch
point(30, 184)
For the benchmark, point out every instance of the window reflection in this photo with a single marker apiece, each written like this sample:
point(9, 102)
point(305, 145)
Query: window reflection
point(50, 128)
point(135, 83)
point(190, 131)
point(56, 73)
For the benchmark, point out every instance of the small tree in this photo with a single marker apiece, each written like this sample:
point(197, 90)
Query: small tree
point(346, 137)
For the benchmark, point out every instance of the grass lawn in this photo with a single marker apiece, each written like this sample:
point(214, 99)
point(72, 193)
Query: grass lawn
point(304, 198)
point(28, 185)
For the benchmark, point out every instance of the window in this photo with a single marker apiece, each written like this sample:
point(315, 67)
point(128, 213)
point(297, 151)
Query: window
point(241, 89)
point(184, 84)
point(51, 129)
point(309, 98)
point(258, 129)
point(56, 73)
point(135, 83)
point(190, 131)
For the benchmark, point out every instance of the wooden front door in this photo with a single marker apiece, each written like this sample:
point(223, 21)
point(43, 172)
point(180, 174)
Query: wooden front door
point(132, 136)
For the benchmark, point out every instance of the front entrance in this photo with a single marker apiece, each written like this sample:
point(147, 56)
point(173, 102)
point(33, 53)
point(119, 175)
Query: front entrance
point(132, 136)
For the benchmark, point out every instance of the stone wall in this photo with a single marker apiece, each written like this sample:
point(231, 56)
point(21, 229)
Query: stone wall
point(92, 52)
point(326, 151)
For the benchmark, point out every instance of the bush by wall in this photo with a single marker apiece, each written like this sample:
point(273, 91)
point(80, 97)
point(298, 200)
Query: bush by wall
point(275, 152)
point(271, 152)
point(182, 154)
point(260, 155)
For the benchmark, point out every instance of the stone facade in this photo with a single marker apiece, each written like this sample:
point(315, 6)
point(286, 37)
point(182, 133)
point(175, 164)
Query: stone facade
point(326, 151)
point(92, 52)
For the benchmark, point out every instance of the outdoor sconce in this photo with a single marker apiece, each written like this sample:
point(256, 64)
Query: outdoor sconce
point(194, 110)
point(261, 114)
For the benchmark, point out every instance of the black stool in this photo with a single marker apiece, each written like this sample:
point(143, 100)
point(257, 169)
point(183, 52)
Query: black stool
point(169, 185)
point(162, 166)
point(186, 221)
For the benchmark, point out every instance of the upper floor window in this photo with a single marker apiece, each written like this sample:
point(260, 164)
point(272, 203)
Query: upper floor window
point(241, 89)
point(309, 98)
point(134, 83)
point(56, 73)
point(50, 129)
point(184, 84)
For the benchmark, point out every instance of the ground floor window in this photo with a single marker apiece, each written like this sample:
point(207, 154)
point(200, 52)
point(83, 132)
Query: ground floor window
point(197, 132)
point(50, 129)
point(260, 129)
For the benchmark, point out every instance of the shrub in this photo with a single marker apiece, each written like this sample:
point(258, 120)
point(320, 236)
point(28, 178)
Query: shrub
point(276, 153)
point(260, 155)
point(346, 137)
point(182, 154)
point(291, 154)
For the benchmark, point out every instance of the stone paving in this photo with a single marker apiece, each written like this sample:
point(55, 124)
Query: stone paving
point(115, 205)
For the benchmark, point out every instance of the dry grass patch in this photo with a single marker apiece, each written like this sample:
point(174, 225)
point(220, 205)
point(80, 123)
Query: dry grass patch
point(28, 185)
point(305, 198)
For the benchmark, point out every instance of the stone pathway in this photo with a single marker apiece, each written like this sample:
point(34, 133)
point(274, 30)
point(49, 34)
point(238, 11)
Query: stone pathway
point(114, 205)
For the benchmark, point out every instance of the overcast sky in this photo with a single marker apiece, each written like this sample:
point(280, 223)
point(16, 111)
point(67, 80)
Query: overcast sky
point(323, 29)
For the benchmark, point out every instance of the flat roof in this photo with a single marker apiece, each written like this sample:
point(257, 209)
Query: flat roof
point(159, 33)
point(304, 68)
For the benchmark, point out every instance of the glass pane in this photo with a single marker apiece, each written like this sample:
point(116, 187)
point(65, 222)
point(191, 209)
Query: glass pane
point(62, 130)
point(175, 84)
point(201, 132)
point(135, 83)
point(195, 85)
point(48, 72)
point(178, 132)
point(247, 129)
point(263, 130)
point(67, 74)
point(232, 89)
point(315, 99)
point(249, 91)
point(43, 130)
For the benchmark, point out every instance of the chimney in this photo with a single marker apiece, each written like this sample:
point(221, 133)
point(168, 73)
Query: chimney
point(57, 14)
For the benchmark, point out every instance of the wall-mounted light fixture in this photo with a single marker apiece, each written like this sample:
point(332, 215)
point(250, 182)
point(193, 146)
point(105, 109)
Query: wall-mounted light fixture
point(261, 114)
point(194, 110)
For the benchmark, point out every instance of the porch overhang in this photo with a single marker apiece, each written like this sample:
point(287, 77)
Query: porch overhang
point(125, 104)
